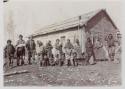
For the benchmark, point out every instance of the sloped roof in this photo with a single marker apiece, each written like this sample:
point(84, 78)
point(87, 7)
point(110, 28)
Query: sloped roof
point(69, 23)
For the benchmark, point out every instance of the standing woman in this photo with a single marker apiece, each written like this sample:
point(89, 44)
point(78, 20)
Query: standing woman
point(31, 48)
point(99, 50)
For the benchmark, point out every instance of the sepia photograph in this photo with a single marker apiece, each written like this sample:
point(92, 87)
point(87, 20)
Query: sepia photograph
point(62, 43)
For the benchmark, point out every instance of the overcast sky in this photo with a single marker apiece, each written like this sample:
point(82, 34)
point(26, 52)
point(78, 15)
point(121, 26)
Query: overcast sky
point(30, 16)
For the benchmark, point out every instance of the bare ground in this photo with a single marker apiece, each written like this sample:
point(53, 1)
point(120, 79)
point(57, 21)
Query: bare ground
point(100, 74)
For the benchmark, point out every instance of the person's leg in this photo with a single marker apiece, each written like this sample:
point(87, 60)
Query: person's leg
point(110, 53)
point(29, 57)
point(113, 53)
point(74, 62)
point(9, 61)
point(40, 58)
point(12, 60)
point(33, 55)
point(48, 63)
point(18, 61)
point(22, 60)
point(94, 58)
point(87, 59)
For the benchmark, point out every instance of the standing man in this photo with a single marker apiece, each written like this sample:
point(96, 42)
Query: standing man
point(49, 48)
point(89, 50)
point(111, 47)
point(31, 48)
point(20, 50)
point(68, 52)
point(20, 41)
point(57, 51)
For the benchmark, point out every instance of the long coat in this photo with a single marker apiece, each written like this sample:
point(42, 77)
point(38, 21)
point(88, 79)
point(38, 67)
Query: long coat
point(30, 45)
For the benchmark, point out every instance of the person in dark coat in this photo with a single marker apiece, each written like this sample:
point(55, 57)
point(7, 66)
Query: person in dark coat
point(75, 59)
point(31, 48)
point(49, 48)
point(89, 50)
point(9, 52)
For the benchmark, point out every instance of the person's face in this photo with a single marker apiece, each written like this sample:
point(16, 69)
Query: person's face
point(8, 43)
point(75, 55)
point(30, 38)
point(83, 55)
point(116, 44)
point(49, 42)
point(37, 42)
point(20, 37)
point(88, 40)
point(118, 36)
point(68, 41)
point(63, 56)
point(57, 56)
point(45, 56)
point(57, 41)
point(110, 36)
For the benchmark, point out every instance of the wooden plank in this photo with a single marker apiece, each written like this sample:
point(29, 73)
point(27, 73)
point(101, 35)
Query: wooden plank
point(16, 72)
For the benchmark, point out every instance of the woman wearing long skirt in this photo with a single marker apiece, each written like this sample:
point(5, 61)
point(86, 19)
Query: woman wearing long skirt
point(100, 51)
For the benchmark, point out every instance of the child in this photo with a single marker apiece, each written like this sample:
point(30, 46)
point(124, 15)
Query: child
point(9, 52)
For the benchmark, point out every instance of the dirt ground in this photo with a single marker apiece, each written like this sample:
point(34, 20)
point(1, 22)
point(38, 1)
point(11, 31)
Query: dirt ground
point(100, 74)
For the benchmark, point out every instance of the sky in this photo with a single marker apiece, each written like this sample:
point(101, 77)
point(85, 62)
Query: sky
point(31, 15)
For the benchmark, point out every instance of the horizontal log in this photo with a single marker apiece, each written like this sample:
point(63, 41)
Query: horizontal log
point(16, 72)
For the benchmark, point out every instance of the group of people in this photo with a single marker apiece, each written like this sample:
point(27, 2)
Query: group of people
point(60, 53)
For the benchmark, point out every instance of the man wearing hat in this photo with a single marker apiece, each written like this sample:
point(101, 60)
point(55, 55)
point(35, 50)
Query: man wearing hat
point(20, 50)
point(31, 48)
point(20, 41)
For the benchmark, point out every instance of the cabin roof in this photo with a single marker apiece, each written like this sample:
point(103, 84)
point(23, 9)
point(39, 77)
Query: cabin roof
point(70, 23)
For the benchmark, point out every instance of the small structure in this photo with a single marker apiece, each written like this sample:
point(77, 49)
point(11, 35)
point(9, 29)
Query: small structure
point(95, 23)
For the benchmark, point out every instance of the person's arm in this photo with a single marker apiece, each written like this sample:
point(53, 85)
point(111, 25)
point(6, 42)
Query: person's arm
point(17, 43)
point(51, 46)
point(13, 49)
point(34, 45)
point(27, 44)
point(72, 46)
point(47, 46)
point(5, 51)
